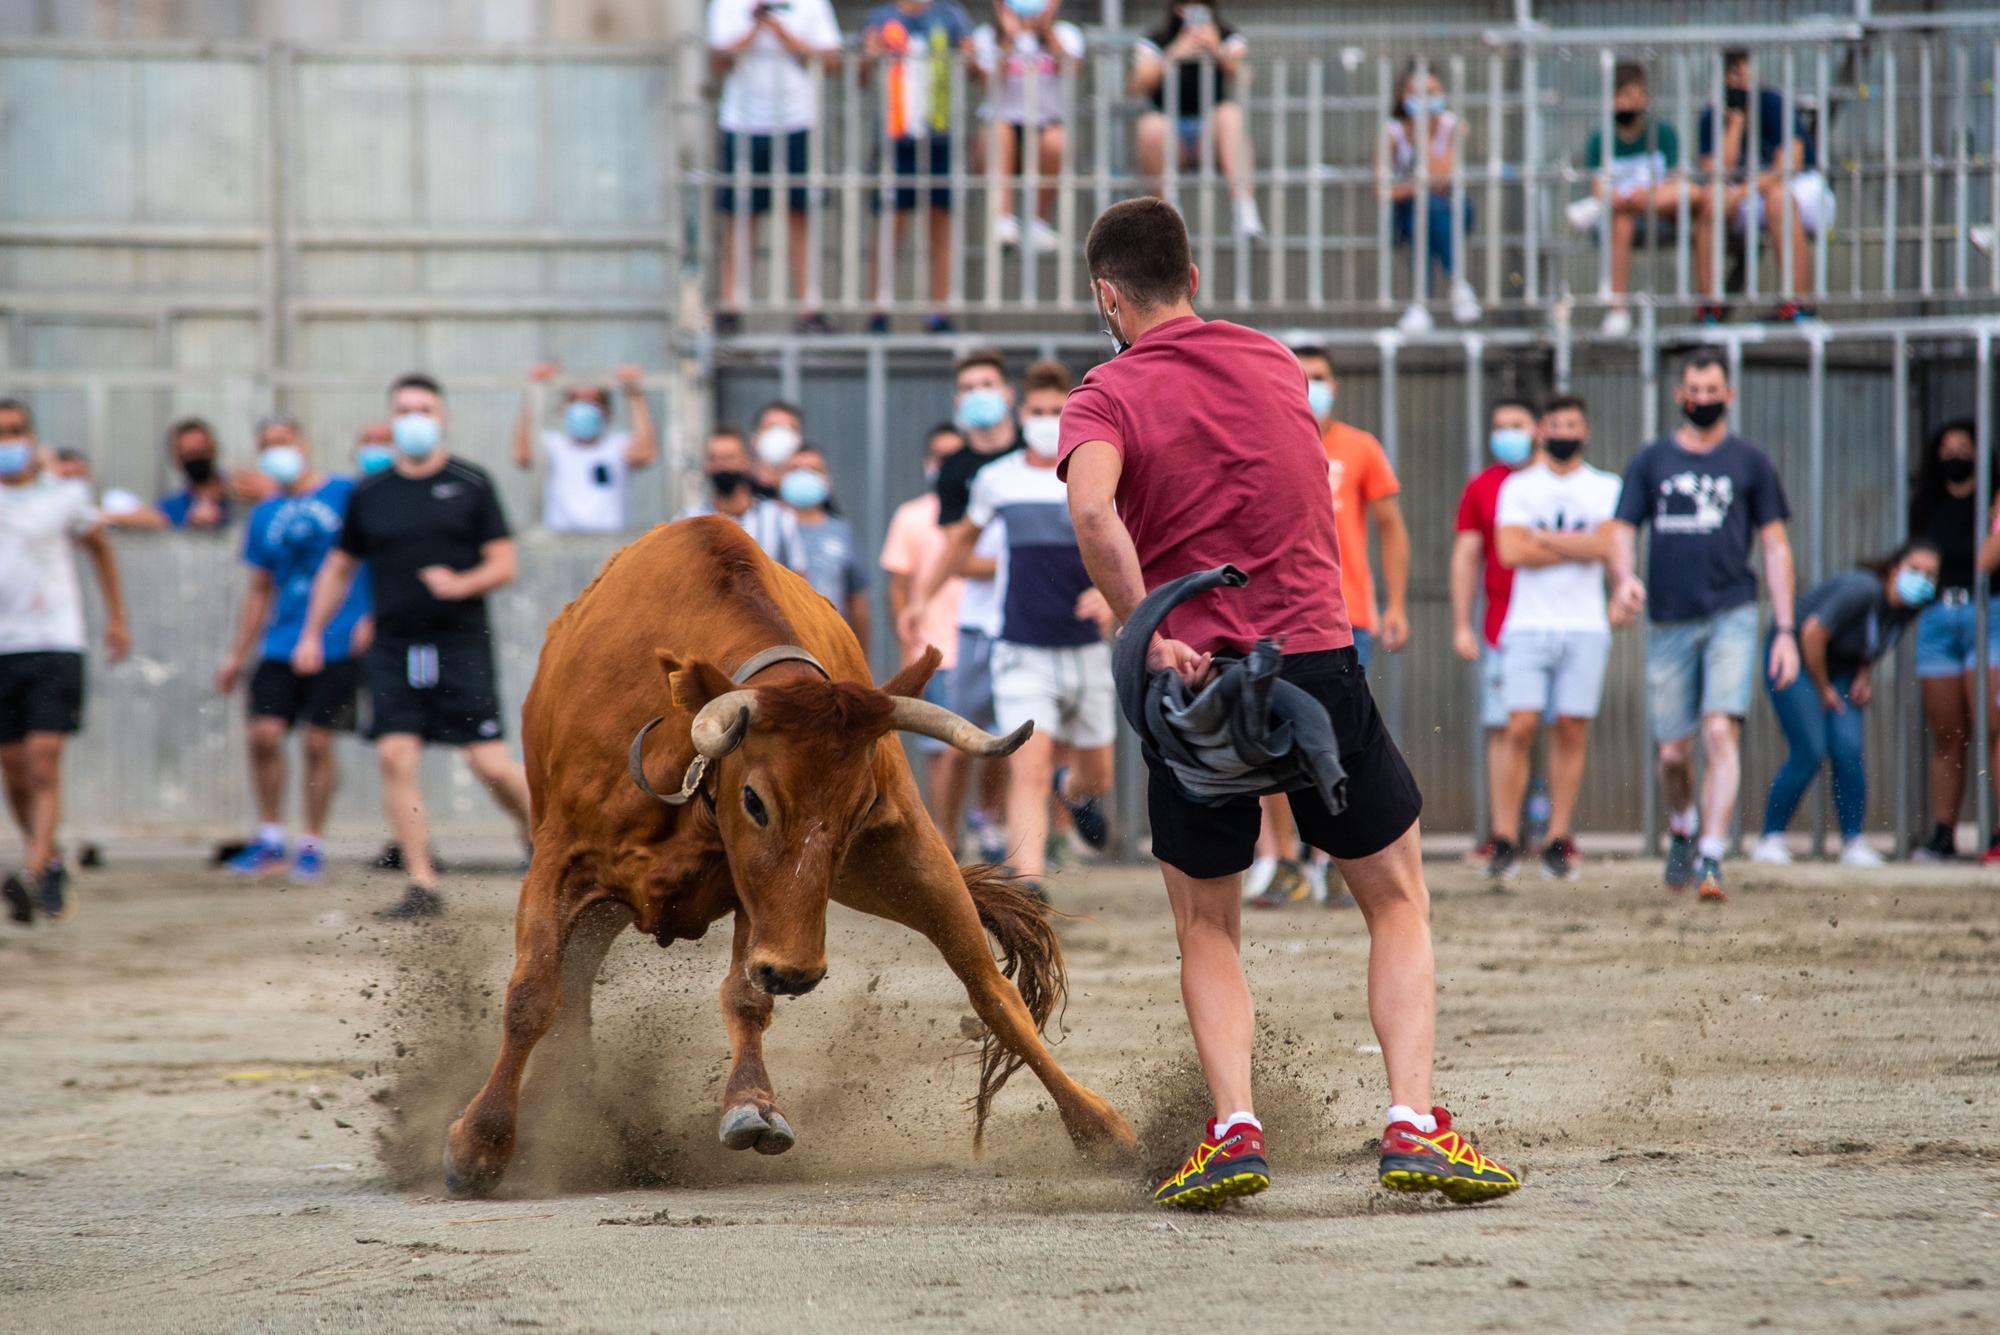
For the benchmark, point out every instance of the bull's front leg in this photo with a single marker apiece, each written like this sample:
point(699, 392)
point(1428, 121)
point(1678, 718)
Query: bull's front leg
point(750, 1116)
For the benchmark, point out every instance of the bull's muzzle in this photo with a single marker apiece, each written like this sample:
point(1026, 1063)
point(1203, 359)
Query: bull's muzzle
point(783, 981)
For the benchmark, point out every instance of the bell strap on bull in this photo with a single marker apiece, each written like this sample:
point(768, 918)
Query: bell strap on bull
point(691, 784)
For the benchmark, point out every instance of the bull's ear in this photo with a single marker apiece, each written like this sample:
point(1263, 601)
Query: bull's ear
point(694, 682)
point(912, 679)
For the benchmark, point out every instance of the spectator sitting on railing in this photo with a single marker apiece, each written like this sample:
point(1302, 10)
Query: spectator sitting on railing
point(764, 48)
point(589, 465)
point(1420, 110)
point(204, 502)
point(1189, 36)
point(1642, 182)
point(914, 42)
point(833, 565)
point(1026, 48)
point(1748, 202)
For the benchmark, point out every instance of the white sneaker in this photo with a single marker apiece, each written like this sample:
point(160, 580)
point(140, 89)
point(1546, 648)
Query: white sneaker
point(1983, 237)
point(1315, 869)
point(1258, 879)
point(1042, 237)
point(1416, 320)
point(1585, 213)
point(1008, 228)
point(1617, 323)
point(1772, 851)
point(1857, 852)
point(1464, 303)
point(1249, 222)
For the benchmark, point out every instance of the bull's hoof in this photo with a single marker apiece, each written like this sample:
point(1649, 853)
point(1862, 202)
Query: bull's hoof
point(1105, 1136)
point(467, 1184)
point(747, 1127)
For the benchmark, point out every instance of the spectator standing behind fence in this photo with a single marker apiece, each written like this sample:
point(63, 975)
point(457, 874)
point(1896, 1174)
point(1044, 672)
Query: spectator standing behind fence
point(374, 449)
point(833, 565)
point(1553, 529)
point(726, 470)
point(1751, 199)
point(203, 499)
point(913, 42)
point(1025, 47)
point(775, 436)
point(1950, 667)
point(1364, 492)
point(1420, 113)
point(1641, 187)
point(587, 466)
point(1167, 67)
point(42, 644)
point(764, 49)
point(285, 541)
point(1845, 624)
point(1476, 564)
point(1706, 492)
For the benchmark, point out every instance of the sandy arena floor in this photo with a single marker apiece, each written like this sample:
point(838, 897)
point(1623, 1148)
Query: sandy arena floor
point(222, 1107)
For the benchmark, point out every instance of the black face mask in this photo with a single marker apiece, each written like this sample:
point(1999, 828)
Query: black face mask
point(200, 470)
point(1958, 469)
point(1736, 99)
point(1628, 119)
point(1563, 448)
point(1704, 415)
point(727, 481)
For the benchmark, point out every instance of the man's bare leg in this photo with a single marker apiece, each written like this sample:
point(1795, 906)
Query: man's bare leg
point(1208, 923)
point(398, 754)
point(1389, 888)
point(1719, 738)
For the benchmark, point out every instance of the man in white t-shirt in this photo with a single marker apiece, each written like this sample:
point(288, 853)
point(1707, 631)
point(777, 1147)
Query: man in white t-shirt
point(1553, 528)
point(587, 464)
point(763, 49)
point(42, 647)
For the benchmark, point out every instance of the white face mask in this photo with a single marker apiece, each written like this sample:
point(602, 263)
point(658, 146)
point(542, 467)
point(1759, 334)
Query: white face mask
point(1043, 434)
point(776, 444)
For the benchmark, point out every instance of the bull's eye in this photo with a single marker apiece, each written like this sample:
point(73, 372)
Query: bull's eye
point(753, 806)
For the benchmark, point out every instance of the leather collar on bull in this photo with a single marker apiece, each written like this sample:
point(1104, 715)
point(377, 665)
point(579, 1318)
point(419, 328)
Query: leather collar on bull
point(691, 784)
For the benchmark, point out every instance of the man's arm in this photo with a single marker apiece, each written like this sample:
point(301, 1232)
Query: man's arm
point(1628, 595)
point(498, 564)
point(1518, 547)
point(1109, 554)
point(523, 452)
point(117, 632)
point(644, 449)
point(256, 605)
point(329, 591)
point(957, 554)
point(1778, 577)
point(1594, 545)
point(1467, 547)
point(1387, 513)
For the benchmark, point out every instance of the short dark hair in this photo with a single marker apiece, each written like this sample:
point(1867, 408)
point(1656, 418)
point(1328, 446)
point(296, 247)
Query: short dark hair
point(943, 429)
point(783, 406)
point(416, 380)
point(1511, 401)
point(733, 433)
point(1734, 56)
point(596, 392)
point(27, 414)
point(992, 357)
point(1305, 350)
point(1047, 374)
point(1703, 358)
point(1628, 74)
point(1564, 402)
point(183, 425)
point(1140, 247)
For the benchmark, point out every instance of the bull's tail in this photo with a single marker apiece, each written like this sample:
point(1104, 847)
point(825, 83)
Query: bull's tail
point(1030, 955)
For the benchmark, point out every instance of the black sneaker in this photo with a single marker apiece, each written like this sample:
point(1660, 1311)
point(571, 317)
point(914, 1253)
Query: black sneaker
point(1942, 846)
point(1506, 861)
point(814, 323)
point(417, 903)
point(52, 899)
point(728, 324)
point(391, 858)
point(1559, 859)
point(1679, 873)
point(20, 904)
point(1085, 814)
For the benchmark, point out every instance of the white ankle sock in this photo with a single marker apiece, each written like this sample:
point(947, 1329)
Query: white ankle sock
point(274, 835)
point(1712, 847)
point(1685, 822)
point(1422, 1121)
point(1235, 1119)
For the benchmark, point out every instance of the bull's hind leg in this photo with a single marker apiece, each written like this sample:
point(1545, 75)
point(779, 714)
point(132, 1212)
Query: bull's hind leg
point(908, 876)
point(750, 1116)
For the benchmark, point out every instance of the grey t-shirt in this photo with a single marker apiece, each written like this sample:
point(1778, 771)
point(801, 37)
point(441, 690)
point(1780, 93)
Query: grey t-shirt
point(1861, 624)
point(831, 563)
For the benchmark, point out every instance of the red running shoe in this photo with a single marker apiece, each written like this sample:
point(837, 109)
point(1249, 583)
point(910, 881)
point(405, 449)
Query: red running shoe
point(1441, 1160)
point(1220, 1169)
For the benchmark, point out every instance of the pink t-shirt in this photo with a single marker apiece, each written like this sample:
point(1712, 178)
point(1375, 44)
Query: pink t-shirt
point(914, 546)
point(1222, 463)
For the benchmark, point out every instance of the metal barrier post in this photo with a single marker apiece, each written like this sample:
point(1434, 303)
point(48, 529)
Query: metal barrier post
point(1459, 267)
point(1277, 271)
point(1749, 166)
point(1600, 183)
point(851, 186)
point(1718, 221)
point(1420, 197)
point(1029, 209)
point(1531, 195)
point(1890, 166)
point(875, 516)
point(1788, 104)
point(1961, 134)
point(1205, 166)
point(1392, 680)
point(816, 178)
point(1068, 243)
point(1816, 511)
point(1905, 698)
point(1981, 523)
point(1496, 86)
point(1821, 126)
point(1649, 430)
point(1684, 173)
point(1385, 175)
point(1315, 193)
point(1927, 181)
point(1100, 137)
point(1475, 456)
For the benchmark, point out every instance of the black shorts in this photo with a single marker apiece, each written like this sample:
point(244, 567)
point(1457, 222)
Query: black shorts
point(445, 692)
point(40, 692)
point(761, 171)
point(323, 700)
point(927, 156)
point(1382, 798)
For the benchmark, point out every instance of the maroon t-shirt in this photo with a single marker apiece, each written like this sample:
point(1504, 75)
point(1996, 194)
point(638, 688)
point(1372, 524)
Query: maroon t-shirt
point(1222, 463)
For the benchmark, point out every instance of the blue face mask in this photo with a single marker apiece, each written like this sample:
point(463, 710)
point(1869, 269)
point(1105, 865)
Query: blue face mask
point(583, 419)
point(283, 464)
point(1320, 395)
point(1511, 445)
point(417, 434)
point(16, 456)
point(979, 409)
point(804, 489)
point(1028, 9)
point(1914, 588)
point(374, 458)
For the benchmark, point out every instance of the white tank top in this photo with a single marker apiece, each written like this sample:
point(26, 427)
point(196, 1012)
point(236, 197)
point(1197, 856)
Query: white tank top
point(583, 487)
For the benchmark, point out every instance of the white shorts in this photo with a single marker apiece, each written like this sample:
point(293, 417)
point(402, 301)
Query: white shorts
point(1812, 201)
point(1065, 692)
point(1561, 670)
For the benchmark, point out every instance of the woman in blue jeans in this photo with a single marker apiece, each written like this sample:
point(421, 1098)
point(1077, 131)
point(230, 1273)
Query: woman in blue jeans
point(1419, 112)
point(1845, 624)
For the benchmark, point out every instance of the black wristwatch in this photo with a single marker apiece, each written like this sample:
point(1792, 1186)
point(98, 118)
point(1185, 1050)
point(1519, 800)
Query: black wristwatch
point(1784, 630)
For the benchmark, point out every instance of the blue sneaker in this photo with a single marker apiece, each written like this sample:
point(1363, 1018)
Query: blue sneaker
point(257, 859)
point(308, 866)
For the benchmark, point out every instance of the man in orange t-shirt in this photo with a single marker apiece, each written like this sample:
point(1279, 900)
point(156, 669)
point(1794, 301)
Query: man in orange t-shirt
point(1364, 488)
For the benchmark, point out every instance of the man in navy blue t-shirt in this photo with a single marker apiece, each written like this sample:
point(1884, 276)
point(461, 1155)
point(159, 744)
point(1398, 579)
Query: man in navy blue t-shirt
point(1706, 493)
point(284, 544)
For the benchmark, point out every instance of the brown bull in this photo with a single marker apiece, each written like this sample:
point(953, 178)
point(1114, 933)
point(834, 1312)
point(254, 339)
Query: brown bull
point(806, 796)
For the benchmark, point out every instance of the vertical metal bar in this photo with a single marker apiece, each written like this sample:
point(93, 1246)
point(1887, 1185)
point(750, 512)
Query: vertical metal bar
point(1241, 282)
point(1926, 164)
point(789, 377)
point(887, 262)
point(1170, 159)
point(1277, 271)
point(1496, 87)
point(1315, 193)
point(1607, 147)
point(1906, 696)
point(1890, 170)
point(1475, 455)
point(778, 281)
point(277, 69)
point(1685, 175)
point(1385, 175)
point(1565, 348)
point(1717, 182)
point(1392, 436)
point(745, 296)
point(1993, 173)
point(1649, 430)
point(1981, 522)
point(1205, 164)
point(1102, 95)
point(1459, 267)
point(1753, 141)
point(1531, 219)
point(1816, 502)
point(1067, 241)
point(1788, 112)
point(852, 179)
point(1961, 135)
point(1420, 197)
point(875, 512)
point(991, 278)
point(1822, 126)
point(1030, 206)
point(816, 181)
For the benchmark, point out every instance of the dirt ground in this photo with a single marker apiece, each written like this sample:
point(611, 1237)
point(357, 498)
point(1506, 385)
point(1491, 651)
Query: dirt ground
point(223, 1105)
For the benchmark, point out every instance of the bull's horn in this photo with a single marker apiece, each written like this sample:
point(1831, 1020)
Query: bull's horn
point(719, 727)
point(929, 720)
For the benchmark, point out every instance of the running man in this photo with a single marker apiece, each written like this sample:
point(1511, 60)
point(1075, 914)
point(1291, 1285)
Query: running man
point(1706, 492)
point(1192, 447)
point(1555, 534)
point(284, 544)
point(42, 647)
point(436, 543)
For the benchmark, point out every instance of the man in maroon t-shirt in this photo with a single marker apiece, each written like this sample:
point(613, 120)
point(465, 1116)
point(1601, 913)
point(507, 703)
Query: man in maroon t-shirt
point(1474, 561)
point(1195, 446)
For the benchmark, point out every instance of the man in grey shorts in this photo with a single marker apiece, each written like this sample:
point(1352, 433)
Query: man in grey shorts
point(1553, 528)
